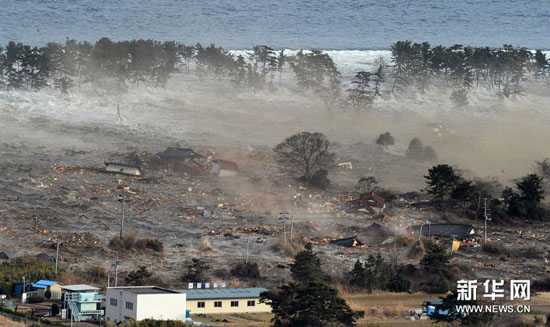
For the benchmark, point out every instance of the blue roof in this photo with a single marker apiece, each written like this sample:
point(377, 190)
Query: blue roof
point(224, 293)
point(43, 283)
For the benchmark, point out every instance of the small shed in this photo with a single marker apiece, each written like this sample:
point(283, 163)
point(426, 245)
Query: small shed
point(8, 256)
point(120, 168)
point(43, 285)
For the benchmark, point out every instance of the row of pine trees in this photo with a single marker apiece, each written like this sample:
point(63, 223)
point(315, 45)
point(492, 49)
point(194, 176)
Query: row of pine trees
point(115, 66)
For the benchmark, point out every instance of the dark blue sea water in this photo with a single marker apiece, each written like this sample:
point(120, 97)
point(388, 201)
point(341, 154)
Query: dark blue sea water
point(338, 24)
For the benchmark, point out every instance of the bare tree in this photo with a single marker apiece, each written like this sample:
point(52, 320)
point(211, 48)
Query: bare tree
point(305, 153)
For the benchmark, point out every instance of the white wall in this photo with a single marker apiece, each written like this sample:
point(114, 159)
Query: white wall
point(166, 306)
point(119, 313)
point(163, 306)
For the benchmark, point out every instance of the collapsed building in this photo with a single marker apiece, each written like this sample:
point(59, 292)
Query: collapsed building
point(185, 160)
point(447, 231)
point(367, 203)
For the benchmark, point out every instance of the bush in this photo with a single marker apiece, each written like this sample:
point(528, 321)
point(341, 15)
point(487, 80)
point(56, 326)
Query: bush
point(493, 248)
point(244, 270)
point(541, 285)
point(55, 309)
point(132, 242)
point(417, 151)
point(319, 179)
point(33, 269)
point(460, 97)
point(95, 273)
point(385, 139)
point(399, 284)
point(436, 286)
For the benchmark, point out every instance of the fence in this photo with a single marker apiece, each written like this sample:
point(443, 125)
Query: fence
point(26, 320)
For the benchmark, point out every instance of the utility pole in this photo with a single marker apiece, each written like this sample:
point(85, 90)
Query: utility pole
point(291, 227)
point(247, 243)
point(109, 279)
point(121, 198)
point(115, 266)
point(56, 255)
point(284, 230)
point(420, 234)
point(485, 214)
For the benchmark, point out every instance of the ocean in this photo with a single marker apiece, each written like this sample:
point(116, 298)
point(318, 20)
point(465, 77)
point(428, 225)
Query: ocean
point(293, 24)
point(353, 32)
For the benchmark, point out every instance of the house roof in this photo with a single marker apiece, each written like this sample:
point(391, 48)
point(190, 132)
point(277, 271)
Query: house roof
point(347, 242)
point(180, 153)
point(80, 288)
point(224, 293)
point(443, 230)
point(9, 255)
point(43, 283)
point(372, 199)
point(145, 289)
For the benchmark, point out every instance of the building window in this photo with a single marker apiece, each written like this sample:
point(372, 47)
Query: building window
point(234, 303)
point(129, 306)
point(218, 304)
point(113, 302)
point(251, 303)
point(200, 304)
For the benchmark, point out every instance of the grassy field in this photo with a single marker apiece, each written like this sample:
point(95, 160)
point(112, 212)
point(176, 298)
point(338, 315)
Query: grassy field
point(381, 310)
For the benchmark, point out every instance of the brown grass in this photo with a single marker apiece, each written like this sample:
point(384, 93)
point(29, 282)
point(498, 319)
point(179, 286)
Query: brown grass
point(6, 322)
point(290, 249)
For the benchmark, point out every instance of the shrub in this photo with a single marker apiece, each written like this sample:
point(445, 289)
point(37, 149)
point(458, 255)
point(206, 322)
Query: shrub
point(132, 242)
point(493, 248)
point(246, 270)
point(399, 284)
point(385, 139)
point(417, 151)
point(55, 309)
point(32, 268)
point(541, 285)
point(319, 179)
point(95, 273)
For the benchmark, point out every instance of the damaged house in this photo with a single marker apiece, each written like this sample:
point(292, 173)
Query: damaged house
point(183, 160)
point(186, 160)
point(450, 231)
point(223, 168)
point(367, 203)
point(349, 242)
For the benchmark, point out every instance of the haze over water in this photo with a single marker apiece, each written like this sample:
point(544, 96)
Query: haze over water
point(293, 24)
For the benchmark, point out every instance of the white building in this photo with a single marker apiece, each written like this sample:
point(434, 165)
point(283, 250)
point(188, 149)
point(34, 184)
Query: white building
point(142, 302)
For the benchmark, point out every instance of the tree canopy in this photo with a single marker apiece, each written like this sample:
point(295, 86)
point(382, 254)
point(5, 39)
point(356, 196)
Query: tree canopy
point(304, 154)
